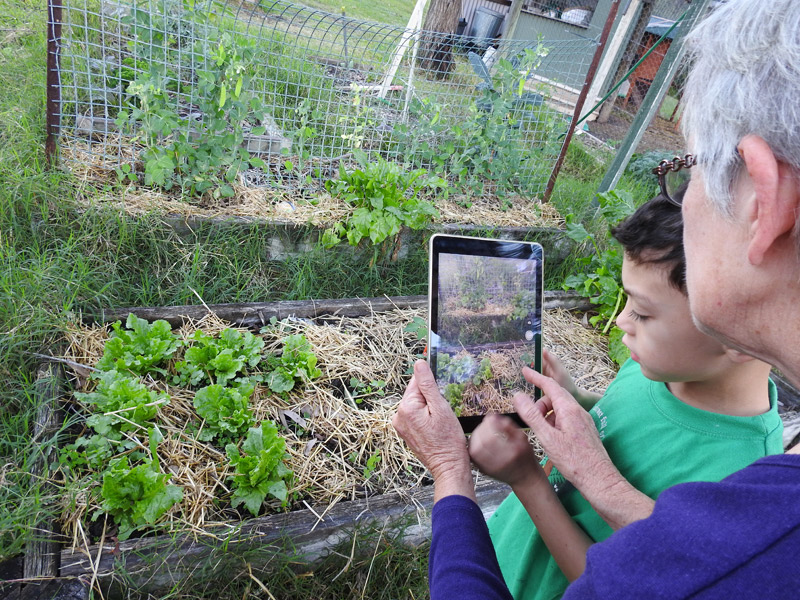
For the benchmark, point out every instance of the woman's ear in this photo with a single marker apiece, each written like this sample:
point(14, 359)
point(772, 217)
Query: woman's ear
point(774, 206)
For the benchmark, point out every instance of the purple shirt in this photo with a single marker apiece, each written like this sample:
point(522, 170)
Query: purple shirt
point(739, 538)
point(462, 562)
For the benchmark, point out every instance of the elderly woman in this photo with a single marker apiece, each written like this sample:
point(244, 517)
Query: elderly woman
point(736, 538)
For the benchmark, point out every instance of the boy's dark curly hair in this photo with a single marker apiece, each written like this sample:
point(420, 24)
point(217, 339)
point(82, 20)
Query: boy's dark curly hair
point(654, 234)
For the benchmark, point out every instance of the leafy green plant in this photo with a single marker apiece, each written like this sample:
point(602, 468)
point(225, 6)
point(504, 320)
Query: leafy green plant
point(484, 372)
point(197, 156)
point(218, 359)
point(301, 136)
point(140, 347)
point(522, 304)
point(359, 123)
point(418, 326)
point(372, 464)
point(137, 496)
point(296, 364)
point(385, 197)
point(617, 351)
point(452, 369)
point(473, 294)
point(225, 411)
point(453, 393)
point(125, 404)
point(641, 166)
point(600, 274)
point(363, 389)
point(260, 469)
point(490, 144)
point(494, 145)
point(160, 29)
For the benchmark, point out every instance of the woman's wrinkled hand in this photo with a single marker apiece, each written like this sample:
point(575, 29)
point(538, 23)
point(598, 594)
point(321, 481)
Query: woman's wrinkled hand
point(428, 425)
point(566, 431)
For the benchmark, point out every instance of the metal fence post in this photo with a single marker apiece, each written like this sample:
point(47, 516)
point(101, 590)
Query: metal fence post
point(654, 96)
point(52, 109)
point(612, 15)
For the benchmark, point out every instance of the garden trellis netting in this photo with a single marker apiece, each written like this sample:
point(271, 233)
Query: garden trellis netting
point(204, 95)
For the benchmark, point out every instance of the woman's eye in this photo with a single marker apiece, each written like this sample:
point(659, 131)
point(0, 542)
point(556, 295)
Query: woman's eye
point(636, 316)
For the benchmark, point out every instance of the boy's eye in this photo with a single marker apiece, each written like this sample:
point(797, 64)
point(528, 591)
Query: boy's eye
point(636, 316)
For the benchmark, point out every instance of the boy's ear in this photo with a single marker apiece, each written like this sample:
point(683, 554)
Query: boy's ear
point(738, 357)
point(773, 210)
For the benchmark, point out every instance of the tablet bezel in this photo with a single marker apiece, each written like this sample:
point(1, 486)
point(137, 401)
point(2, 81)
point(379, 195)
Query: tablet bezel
point(492, 248)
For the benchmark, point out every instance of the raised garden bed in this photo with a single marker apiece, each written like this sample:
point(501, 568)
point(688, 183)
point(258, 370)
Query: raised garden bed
point(392, 495)
point(296, 226)
point(339, 503)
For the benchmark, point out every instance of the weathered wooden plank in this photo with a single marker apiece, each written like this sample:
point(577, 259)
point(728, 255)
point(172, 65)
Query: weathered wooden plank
point(256, 314)
point(156, 564)
point(43, 551)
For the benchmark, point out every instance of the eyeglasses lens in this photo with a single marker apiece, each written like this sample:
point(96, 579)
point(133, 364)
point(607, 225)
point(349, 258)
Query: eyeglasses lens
point(674, 180)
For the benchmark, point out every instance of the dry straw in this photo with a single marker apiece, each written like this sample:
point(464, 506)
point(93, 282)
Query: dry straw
point(331, 427)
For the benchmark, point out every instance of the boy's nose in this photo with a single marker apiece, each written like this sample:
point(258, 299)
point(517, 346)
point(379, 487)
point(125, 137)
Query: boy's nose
point(623, 320)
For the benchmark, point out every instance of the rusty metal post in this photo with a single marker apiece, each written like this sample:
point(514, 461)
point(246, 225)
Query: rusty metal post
point(612, 14)
point(54, 10)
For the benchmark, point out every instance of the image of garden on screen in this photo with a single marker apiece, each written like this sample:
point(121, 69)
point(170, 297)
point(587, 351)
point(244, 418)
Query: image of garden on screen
point(485, 322)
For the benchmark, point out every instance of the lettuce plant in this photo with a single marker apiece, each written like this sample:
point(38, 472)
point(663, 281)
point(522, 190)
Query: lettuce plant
point(297, 363)
point(137, 496)
point(225, 410)
point(260, 468)
point(140, 347)
point(218, 359)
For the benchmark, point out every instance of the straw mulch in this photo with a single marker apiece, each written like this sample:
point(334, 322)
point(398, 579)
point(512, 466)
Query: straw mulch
point(88, 164)
point(330, 430)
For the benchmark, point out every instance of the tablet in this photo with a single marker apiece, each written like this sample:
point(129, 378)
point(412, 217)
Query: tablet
point(484, 322)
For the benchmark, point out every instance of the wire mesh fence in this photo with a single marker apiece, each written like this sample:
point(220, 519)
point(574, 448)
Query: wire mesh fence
point(650, 38)
point(201, 95)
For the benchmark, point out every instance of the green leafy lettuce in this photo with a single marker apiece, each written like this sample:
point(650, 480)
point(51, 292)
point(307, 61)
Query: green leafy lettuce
point(225, 410)
point(260, 470)
point(140, 347)
point(218, 359)
point(296, 364)
point(124, 403)
point(137, 496)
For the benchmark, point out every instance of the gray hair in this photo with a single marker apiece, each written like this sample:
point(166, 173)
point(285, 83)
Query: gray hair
point(745, 79)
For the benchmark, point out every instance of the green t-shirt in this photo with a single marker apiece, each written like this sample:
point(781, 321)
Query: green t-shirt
point(656, 441)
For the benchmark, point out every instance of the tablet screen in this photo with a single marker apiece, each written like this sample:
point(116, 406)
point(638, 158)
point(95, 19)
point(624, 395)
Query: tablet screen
point(485, 322)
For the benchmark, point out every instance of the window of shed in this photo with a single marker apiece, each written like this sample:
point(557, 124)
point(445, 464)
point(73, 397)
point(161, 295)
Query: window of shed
point(575, 12)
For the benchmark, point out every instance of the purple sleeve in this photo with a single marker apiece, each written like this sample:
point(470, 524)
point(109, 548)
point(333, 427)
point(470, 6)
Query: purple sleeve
point(738, 538)
point(462, 563)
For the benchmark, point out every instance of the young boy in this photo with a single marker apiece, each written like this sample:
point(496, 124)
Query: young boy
point(683, 408)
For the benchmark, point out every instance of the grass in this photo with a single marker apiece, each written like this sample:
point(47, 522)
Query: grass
point(667, 108)
point(392, 12)
point(58, 261)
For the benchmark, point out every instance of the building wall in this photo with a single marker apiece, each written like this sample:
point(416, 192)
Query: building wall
point(532, 26)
